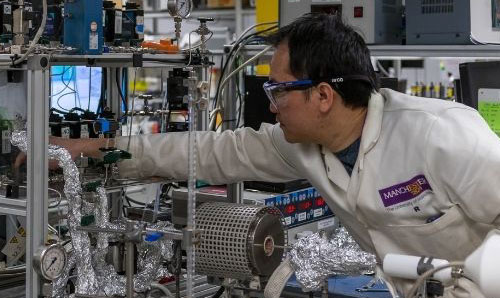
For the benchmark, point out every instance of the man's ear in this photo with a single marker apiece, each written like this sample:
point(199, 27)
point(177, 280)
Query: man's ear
point(327, 97)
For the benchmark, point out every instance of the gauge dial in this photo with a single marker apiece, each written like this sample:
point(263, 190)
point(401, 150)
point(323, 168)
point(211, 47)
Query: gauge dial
point(50, 261)
point(184, 8)
point(180, 8)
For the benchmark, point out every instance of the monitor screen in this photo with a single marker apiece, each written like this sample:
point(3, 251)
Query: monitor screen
point(70, 86)
point(495, 9)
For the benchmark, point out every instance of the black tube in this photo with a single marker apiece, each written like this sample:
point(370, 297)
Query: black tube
point(118, 85)
point(219, 292)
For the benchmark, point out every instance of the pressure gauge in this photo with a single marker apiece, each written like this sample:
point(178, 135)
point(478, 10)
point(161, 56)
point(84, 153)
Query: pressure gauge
point(50, 261)
point(180, 8)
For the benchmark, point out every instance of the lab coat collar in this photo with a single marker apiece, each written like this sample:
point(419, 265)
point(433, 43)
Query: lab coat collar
point(371, 132)
point(372, 126)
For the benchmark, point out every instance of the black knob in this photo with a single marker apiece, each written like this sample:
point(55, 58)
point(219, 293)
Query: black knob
point(204, 20)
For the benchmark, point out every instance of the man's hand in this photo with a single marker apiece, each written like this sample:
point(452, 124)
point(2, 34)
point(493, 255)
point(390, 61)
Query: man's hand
point(75, 147)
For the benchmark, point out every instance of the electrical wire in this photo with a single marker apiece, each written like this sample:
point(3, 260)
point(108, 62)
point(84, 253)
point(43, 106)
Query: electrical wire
point(58, 111)
point(62, 80)
point(118, 85)
point(219, 292)
point(252, 27)
point(257, 56)
point(103, 96)
point(217, 105)
point(130, 200)
point(59, 98)
point(240, 101)
point(90, 86)
point(163, 107)
point(251, 60)
point(132, 112)
point(60, 197)
point(421, 279)
point(382, 69)
point(474, 40)
point(234, 50)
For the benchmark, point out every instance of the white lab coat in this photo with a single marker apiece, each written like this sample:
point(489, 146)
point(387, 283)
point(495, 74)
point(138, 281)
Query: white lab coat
point(419, 158)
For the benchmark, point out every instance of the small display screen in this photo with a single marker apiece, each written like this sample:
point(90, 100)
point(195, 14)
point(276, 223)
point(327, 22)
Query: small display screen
point(495, 9)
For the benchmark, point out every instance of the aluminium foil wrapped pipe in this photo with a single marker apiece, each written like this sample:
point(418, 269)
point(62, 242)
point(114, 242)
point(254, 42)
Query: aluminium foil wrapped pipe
point(315, 258)
point(94, 276)
point(72, 190)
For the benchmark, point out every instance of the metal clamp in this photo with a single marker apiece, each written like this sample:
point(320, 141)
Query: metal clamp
point(190, 237)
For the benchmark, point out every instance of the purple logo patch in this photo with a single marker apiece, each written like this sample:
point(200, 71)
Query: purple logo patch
point(404, 191)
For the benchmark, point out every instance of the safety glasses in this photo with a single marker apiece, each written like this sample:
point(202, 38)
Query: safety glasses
point(275, 90)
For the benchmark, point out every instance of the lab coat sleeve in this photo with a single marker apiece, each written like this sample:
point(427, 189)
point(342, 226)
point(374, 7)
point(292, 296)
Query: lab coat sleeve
point(231, 156)
point(463, 157)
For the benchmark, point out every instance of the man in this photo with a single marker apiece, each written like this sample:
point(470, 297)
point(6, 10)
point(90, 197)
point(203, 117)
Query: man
point(404, 174)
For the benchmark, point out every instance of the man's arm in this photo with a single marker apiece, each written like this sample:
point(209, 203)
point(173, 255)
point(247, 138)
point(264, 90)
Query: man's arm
point(87, 147)
point(231, 156)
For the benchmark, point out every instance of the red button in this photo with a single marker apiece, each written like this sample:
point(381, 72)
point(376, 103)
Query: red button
point(358, 11)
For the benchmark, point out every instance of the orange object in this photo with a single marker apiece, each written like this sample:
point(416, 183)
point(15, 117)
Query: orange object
point(165, 45)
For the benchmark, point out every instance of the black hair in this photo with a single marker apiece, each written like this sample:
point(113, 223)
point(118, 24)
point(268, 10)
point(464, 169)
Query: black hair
point(322, 47)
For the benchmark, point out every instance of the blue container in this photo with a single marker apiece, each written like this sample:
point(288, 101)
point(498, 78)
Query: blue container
point(83, 28)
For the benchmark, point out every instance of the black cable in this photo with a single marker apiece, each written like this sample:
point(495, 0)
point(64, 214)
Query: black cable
point(58, 111)
point(119, 86)
point(222, 65)
point(60, 74)
point(125, 82)
point(70, 78)
point(104, 78)
point(233, 50)
point(77, 109)
point(129, 199)
point(59, 98)
point(219, 292)
point(240, 100)
point(62, 80)
point(66, 242)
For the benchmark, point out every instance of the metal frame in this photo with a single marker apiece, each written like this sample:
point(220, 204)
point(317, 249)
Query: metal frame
point(37, 185)
point(35, 207)
point(412, 51)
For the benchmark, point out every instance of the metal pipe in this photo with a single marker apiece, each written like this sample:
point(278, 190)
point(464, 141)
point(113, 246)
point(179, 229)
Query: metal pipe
point(174, 235)
point(192, 150)
point(89, 296)
point(129, 270)
point(162, 288)
point(100, 230)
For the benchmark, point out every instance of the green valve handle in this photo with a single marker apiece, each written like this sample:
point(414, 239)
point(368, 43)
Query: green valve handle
point(116, 155)
point(91, 186)
point(87, 220)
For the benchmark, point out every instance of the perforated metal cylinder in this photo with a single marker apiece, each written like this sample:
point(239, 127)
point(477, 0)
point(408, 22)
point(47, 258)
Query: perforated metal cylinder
point(239, 241)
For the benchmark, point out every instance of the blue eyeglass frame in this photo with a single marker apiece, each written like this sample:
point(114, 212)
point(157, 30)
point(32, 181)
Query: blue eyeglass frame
point(271, 88)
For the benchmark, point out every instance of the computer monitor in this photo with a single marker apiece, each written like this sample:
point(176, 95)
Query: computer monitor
point(477, 75)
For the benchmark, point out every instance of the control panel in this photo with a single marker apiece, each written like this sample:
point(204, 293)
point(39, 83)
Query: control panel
point(300, 207)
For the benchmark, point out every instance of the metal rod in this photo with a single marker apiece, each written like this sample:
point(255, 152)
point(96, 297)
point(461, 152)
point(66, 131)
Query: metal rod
point(275, 246)
point(89, 296)
point(174, 235)
point(100, 230)
point(129, 263)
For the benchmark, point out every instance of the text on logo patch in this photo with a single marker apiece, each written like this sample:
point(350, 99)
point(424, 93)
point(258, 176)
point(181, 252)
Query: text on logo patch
point(404, 191)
